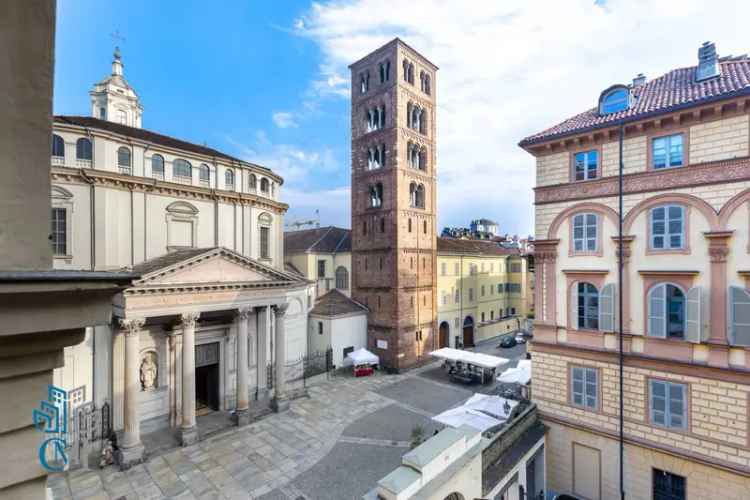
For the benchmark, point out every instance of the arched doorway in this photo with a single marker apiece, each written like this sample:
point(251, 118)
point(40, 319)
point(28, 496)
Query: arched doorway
point(444, 335)
point(468, 331)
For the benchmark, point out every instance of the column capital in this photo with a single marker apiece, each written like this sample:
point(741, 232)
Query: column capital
point(131, 326)
point(243, 313)
point(545, 250)
point(188, 319)
point(281, 309)
point(625, 242)
point(718, 245)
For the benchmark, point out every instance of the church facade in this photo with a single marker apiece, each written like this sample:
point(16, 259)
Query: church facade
point(214, 323)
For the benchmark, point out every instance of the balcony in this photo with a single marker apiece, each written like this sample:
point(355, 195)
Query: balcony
point(181, 179)
point(58, 161)
point(80, 163)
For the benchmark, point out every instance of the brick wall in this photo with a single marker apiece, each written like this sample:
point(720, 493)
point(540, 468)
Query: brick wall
point(720, 139)
point(718, 411)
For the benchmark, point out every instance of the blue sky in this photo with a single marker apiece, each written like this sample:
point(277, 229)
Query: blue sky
point(268, 81)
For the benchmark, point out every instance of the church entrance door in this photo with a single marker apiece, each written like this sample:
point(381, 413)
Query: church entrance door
point(206, 378)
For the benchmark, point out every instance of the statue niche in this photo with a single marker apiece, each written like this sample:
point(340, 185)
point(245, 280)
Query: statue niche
point(149, 371)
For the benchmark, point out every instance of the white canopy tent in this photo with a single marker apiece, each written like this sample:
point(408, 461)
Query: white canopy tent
point(361, 357)
point(468, 357)
point(480, 411)
point(521, 374)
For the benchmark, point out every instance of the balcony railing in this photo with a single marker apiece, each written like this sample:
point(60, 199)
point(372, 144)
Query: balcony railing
point(58, 160)
point(125, 170)
point(83, 163)
point(182, 179)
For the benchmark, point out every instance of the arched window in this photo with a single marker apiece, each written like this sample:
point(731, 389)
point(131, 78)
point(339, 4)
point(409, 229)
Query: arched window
point(411, 73)
point(157, 167)
point(666, 311)
point(264, 224)
point(422, 162)
point(252, 182)
point(385, 71)
point(182, 225)
point(420, 196)
point(376, 195)
point(182, 171)
point(58, 146)
point(422, 128)
point(614, 99)
point(427, 84)
point(342, 278)
point(364, 82)
point(83, 149)
point(204, 175)
point(584, 232)
point(406, 70)
point(263, 185)
point(667, 227)
point(412, 198)
point(229, 179)
point(123, 160)
point(587, 310)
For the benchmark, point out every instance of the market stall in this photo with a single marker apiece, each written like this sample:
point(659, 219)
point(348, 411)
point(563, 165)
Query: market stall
point(480, 411)
point(469, 367)
point(517, 380)
point(363, 362)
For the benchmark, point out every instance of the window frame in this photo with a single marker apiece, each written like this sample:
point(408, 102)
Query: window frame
point(686, 390)
point(182, 179)
point(585, 370)
point(79, 149)
point(587, 294)
point(586, 152)
point(154, 174)
point(54, 231)
point(125, 169)
point(265, 222)
point(58, 141)
point(597, 251)
point(685, 236)
point(651, 166)
point(608, 93)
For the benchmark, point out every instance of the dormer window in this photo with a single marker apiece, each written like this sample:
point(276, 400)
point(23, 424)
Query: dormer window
point(614, 99)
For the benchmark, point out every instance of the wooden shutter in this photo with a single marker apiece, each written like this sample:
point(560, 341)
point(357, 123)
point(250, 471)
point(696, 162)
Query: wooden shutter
point(657, 317)
point(694, 315)
point(738, 324)
point(607, 308)
point(573, 305)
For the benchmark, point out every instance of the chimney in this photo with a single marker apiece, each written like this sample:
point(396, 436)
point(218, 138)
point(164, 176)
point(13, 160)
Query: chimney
point(639, 80)
point(708, 62)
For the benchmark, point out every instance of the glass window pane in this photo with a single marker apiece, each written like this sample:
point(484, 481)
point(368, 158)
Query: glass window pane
point(578, 399)
point(658, 417)
point(658, 389)
point(675, 241)
point(591, 376)
point(658, 242)
point(591, 220)
point(657, 213)
point(593, 158)
point(675, 212)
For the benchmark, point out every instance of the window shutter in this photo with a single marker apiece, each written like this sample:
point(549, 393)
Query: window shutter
point(607, 308)
point(738, 324)
point(573, 305)
point(694, 316)
point(657, 325)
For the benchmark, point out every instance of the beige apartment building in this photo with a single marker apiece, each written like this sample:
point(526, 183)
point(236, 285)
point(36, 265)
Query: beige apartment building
point(686, 262)
point(483, 291)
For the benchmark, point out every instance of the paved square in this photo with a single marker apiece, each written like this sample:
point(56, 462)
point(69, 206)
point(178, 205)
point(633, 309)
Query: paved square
point(333, 445)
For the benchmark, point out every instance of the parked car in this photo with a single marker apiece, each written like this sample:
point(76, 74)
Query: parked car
point(508, 342)
point(520, 339)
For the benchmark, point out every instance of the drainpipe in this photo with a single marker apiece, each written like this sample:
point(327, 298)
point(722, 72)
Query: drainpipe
point(619, 326)
point(145, 194)
point(461, 300)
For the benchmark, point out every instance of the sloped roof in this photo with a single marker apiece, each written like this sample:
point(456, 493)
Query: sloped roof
point(335, 303)
point(149, 136)
point(472, 247)
point(329, 239)
point(675, 90)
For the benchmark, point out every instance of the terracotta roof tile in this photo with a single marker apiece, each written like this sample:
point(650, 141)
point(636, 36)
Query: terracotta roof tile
point(472, 247)
point(670, 92)
point(329, 239)
point(335, 303)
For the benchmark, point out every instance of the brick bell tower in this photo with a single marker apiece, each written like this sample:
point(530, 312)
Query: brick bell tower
point(394, 188)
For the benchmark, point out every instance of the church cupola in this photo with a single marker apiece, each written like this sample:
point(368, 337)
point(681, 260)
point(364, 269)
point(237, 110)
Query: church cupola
point(114, 100)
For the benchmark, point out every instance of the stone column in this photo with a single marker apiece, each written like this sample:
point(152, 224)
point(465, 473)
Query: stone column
point(545, 252)
point(188, 429)
point(718, 250)
point(262, 337)
point(280, 402)
point(132, 449)
point(241, 412)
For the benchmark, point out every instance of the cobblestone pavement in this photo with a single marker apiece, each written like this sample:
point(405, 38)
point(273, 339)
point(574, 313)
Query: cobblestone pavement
point(262, 459)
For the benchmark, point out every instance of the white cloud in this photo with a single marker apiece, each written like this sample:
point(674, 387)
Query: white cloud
point(284, 119)
point(508, 69)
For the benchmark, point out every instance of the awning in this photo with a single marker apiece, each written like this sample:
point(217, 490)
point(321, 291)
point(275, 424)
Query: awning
point(480, 411)
point(521, 374)
point(472, 358)
point(361, 357)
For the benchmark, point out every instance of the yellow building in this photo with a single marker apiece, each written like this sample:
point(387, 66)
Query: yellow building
point(483, 291)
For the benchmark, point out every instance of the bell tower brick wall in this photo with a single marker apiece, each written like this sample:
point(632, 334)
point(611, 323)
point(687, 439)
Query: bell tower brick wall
point(394, 258)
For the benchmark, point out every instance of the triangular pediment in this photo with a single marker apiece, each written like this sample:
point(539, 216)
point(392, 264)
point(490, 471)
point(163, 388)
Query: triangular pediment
point(212, 266)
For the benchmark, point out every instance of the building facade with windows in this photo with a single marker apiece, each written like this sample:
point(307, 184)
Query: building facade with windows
point(322, 255)
point(686, 319)
point(215, 320)
point(394, 201)
point(483, 291)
